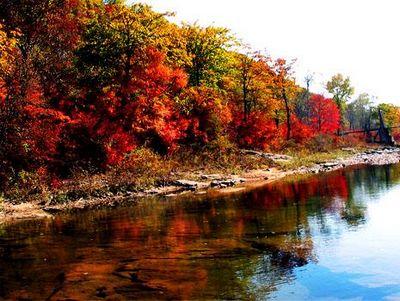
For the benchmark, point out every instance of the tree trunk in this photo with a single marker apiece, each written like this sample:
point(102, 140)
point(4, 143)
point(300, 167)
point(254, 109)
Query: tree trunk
point(245, 103)
point(287, 109)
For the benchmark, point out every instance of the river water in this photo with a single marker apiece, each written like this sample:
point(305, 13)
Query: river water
point(326, 237)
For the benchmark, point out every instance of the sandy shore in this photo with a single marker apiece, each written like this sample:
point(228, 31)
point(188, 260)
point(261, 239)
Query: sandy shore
point(204, 184)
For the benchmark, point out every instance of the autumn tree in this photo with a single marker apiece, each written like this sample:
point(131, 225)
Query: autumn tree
point(391, 114)
point(109, 125)
point(35, 78)
point(48, 33)
point(8, 111)
point(246, 77)
point(254, 79)
point(259, 131)
point(114, 44)
point(207, 114)
point(207, 48)
point(284, 89)
point(84, 83)
point(324, 114)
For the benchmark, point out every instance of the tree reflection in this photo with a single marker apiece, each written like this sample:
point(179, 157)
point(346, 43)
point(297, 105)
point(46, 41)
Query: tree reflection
point(230, 247)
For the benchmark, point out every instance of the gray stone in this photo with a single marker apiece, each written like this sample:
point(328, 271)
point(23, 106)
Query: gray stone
point(225, 183)
point(329, 164)
point(211, 177)
point(187, 184)
point(270, 156)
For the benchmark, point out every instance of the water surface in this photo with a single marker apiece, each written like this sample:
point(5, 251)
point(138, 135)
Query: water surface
point(326, 237)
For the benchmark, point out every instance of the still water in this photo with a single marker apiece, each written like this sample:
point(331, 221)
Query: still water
point(326, 237)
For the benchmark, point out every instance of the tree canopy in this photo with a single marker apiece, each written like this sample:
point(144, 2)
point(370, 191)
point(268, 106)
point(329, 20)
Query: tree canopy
point(83, 83)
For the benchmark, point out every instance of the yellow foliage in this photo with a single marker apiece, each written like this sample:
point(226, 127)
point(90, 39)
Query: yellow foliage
point(7, 52)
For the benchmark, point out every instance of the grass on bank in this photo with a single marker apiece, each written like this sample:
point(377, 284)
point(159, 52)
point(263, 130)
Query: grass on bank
point(323, 148)
point(143, 169)
point(308, 159)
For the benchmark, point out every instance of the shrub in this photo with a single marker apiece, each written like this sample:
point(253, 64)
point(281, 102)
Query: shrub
point(207, 114)
point(258, 131)
point(30, 185)
point(141, 167)
point(321, 143)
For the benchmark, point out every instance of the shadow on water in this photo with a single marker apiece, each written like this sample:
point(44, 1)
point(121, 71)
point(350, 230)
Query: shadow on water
point(231, 247)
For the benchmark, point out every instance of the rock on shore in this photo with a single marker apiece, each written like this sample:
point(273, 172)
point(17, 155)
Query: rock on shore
point(383, 156)
point(204, 183)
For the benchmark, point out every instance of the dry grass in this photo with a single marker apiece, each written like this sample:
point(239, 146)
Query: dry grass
point(1, 203)
point(308, 159)
point(143, 169)
point(227, 161)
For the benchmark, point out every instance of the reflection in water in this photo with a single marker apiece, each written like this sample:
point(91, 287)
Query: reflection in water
point(322, 236)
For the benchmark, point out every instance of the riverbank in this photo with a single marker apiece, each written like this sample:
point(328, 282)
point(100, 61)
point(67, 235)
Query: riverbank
point(201, 183)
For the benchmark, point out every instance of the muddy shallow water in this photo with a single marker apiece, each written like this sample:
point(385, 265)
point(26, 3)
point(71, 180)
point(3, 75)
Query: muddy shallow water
point(334, 236)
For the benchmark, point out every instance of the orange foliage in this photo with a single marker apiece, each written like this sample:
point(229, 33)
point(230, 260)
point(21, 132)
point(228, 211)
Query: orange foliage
point(206, 113)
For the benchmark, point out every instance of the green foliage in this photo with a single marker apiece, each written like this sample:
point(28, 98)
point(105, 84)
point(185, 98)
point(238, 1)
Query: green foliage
point(359, 112)
point(341, 90)
point(113, 38)
point(208, 49)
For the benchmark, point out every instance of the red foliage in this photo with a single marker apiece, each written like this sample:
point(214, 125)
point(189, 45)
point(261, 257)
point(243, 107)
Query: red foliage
point(206, 113)
point(43, 128)
point(325, 115)
point(144, 113)
point(301, 132)
point(396, 135)
point(79, 93)
point(33, 132)
point(153, 116)
point(258, 131)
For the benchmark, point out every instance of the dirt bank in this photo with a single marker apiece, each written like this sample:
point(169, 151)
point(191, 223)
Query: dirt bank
point(203, 184)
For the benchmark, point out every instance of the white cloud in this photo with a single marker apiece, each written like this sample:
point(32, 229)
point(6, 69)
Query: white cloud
point(358, 38)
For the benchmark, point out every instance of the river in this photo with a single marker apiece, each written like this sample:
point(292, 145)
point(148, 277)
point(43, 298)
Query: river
point(325, 237)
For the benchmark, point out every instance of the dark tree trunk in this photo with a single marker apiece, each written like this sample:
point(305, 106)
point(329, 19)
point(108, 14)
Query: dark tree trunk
point(245, 103)
point(384, 134)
